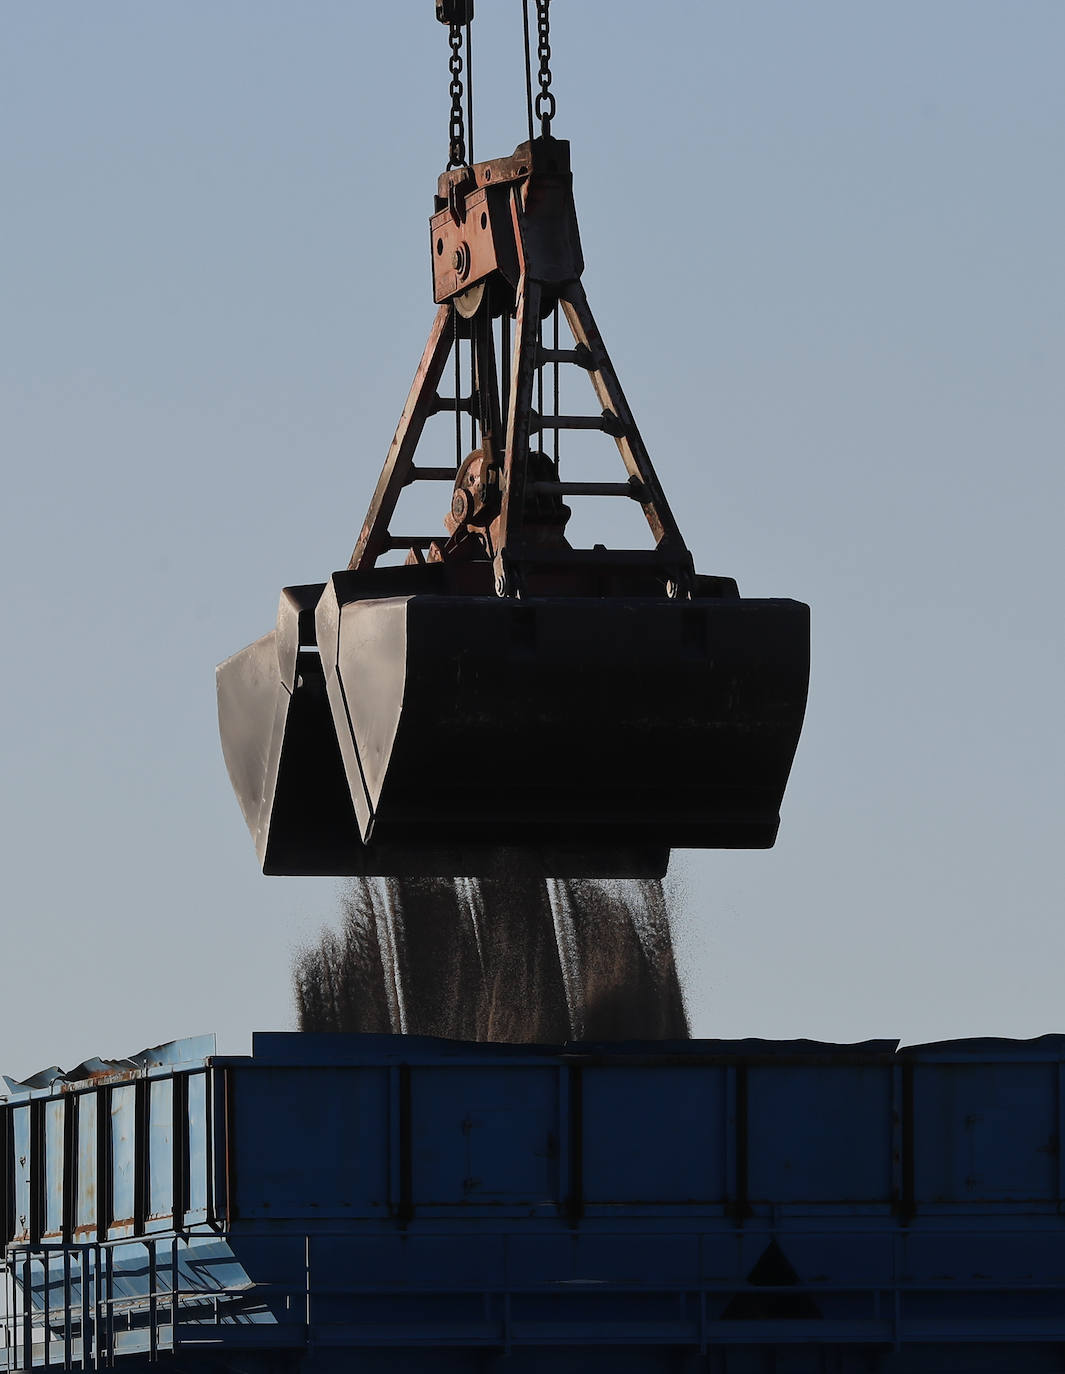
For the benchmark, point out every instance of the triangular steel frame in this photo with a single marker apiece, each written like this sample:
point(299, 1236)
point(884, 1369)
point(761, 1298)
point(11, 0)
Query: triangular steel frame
point(545, 251)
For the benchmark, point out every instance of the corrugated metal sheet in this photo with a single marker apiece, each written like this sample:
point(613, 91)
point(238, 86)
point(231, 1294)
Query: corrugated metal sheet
point(174, 1054)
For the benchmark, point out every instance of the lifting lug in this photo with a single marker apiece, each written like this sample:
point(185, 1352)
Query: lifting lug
point(457, 191)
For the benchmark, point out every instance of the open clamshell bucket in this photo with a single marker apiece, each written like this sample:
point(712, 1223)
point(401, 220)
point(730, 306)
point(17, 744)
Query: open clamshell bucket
point(281, 751)
point(588, 729)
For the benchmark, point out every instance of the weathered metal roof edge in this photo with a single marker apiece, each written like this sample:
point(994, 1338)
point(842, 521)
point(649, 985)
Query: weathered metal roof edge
point(192, 1049)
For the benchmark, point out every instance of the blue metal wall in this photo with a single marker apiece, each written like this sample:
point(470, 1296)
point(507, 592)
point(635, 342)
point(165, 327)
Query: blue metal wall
point(379, 1195)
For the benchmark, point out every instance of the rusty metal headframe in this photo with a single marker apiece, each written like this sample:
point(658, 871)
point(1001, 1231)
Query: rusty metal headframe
point(504, 243)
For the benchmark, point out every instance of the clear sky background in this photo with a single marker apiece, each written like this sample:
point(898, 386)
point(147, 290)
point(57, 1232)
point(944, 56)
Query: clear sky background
point(824, 245)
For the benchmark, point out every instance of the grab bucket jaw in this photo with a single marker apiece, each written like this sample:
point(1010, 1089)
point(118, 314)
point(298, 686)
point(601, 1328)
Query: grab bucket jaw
point(280, 748)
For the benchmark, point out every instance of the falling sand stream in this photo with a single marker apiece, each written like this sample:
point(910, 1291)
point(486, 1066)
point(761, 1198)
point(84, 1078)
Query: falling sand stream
point(509, 957)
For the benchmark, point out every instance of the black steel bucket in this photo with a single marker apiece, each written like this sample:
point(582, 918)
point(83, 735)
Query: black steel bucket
point(421, 733)
point(565, 724)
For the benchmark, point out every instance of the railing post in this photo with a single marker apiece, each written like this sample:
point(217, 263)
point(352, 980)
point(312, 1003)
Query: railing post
point(68, 1321)
point(97, 1314)
point(153, 1303)
point(86, 1339)
point(27, 1312)
point(47, 1307)
point(109, 1304)
point(174, 1305)
point(8, 1312)
point(307, 1286)
point(46, 1269)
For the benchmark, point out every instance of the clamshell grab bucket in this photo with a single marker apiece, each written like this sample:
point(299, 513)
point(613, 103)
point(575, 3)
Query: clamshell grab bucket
point(503, 690)
point(566, 724)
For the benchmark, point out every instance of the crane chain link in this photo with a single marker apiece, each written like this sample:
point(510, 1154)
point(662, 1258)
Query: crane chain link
point(545, 100)
point(457, 131)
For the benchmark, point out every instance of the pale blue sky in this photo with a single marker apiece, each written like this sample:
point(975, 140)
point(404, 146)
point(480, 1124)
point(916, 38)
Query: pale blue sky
point(824, 246)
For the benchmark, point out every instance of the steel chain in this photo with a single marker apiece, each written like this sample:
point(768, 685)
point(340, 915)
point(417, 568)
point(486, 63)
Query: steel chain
point(457, 132)
point(545, 100)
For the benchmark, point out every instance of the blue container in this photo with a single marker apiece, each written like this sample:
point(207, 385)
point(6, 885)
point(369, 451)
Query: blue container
point(413, 1204)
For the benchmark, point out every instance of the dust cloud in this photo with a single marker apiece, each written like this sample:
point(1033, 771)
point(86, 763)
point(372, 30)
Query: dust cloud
point(510, 956)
